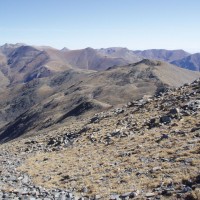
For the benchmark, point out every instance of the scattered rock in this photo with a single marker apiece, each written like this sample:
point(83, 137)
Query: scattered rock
point(165, 119)
point(194, 105)
point(148, 195)
point(173, 114)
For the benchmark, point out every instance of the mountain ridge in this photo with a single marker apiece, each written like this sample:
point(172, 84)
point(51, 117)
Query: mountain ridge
point(99, 59)
point(78, 88)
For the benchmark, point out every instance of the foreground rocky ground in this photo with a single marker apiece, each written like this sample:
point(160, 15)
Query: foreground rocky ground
point(147, 149)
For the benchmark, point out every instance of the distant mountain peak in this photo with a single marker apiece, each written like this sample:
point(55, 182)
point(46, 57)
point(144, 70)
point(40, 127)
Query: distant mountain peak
point(149, 62)
point(89, 49)
point(65, 49)
point(8, 45)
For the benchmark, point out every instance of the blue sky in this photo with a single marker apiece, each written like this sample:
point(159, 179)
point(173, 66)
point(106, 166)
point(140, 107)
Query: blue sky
point(136, 24)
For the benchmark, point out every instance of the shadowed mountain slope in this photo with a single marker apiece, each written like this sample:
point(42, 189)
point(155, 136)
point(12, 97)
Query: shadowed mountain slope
point(23, 64)
point(17, 99)
point(191, 62)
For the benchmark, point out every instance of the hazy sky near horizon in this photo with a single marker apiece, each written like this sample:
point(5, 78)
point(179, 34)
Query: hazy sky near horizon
point(75, 24)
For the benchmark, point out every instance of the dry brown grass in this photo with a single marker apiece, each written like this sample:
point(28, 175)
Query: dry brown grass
point(101, 169)
point(146, 164)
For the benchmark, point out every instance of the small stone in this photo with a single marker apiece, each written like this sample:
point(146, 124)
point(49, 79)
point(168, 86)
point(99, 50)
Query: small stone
point(164, 136)
point(125, 195)
point(174, 111)
point(25, 179)
point(195, 129)
point(84, 189)
point(94, 119)
point(154, 122)
point(165, 119)
point(56, 195)
point(167, 193)
point(148, 195)
point(114, 197)
point(194, 105)
point(130, 104)
point(97, 197)
point(186, 189)
point(158, 168)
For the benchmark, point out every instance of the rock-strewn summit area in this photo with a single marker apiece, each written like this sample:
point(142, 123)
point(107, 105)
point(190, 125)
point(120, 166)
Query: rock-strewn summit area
point(91, 124)
point(145, 149)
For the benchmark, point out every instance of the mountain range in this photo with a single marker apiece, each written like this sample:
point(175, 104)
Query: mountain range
point(45, 60)
point(99, 123)
point(42, 86)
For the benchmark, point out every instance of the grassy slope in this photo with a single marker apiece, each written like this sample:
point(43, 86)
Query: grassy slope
point(138, 161)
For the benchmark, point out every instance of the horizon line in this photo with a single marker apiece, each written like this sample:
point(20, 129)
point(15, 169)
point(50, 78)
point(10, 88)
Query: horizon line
point(123, 47)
